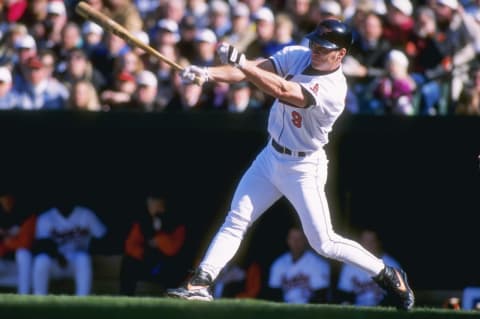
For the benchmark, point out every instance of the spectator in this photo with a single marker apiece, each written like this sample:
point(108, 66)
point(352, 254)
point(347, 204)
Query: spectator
point(119, 97)
point(299, 11)
point(282, 36)
point(9, 37)
point(191, 98)
point(7, 97)
point(366, 61)
point(26, 48)
point(36, 13)
point(469, 99)
point(17, 231)
point(125, 13)
point(83, 96)
point(242, 32)
point(173, 10)
point(399, 23)
point(198, 9)
point(128, 62)
point(299, 275)
point(103, 58)
point(71, 38)
point(92, 35)
point(40, 92)
point(219, 17)
point(146, 7)
point(145, 97)
point(186, 45)
point(429, 63)
point(62, 248)
point(54, 23)
point(166, 32)
point(265, 30)
point(141, 53)
point(355, 286)
point(49, 60)
point(459, 34)
point(395, 89)
point(80, 68)
point(240, 100)
point(206, 42)
point(153, 247)
point(168, 79)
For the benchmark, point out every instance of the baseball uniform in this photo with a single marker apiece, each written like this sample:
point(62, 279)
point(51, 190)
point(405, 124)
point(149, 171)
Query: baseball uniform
point(294, 165)
point(299, 279)
point(72, 236)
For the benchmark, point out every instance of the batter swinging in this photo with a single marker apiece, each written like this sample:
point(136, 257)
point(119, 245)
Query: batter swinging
point(310, 91)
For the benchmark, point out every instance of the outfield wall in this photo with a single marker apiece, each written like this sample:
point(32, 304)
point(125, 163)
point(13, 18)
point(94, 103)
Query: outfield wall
point(415, 179)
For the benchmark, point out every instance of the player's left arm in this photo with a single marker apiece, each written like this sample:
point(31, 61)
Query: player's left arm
point(264, 76)
point(272, 84)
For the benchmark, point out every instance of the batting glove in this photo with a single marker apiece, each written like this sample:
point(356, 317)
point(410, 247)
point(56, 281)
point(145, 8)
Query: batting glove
point(228, 54)
point(192, 72)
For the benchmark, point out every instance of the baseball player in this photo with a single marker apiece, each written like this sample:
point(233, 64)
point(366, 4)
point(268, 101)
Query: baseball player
point(309, 90)
point(63, 238)
point(299, 275)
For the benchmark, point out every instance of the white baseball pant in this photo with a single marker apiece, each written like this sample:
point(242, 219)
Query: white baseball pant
point(302, 182)
point(78, 266)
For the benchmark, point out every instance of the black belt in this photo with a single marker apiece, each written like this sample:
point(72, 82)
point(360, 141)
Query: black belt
point(284, 150)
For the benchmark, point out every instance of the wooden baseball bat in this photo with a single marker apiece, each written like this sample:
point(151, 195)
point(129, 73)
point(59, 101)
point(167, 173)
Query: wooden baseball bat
point(89, 13)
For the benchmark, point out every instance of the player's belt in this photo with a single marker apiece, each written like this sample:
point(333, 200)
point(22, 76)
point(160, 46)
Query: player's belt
point(284, 150)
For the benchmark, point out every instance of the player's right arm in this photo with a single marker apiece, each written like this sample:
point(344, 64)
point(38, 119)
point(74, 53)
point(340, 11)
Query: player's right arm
point(223, 73)
point(230, 74)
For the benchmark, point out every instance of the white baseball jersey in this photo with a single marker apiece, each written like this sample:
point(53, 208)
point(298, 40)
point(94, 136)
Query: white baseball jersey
point(355, 280)
point(306, 129)
point(299, 279)
point(71, 233)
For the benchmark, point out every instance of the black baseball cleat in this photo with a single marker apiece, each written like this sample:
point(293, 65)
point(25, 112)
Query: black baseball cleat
point(394, 282)
point(197, 288)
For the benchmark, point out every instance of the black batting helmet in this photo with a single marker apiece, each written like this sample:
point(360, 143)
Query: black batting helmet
point(331, 34)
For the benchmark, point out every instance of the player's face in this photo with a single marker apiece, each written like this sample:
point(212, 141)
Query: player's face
point(324, 59)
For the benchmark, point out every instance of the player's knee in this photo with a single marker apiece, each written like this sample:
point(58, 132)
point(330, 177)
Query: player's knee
point(41, 263)
point(327, 249)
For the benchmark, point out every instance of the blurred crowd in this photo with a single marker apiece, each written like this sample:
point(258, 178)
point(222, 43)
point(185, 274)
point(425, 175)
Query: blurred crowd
point(408, 57)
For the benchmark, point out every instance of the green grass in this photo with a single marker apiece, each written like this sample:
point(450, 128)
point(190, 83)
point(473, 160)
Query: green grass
point(111, 307)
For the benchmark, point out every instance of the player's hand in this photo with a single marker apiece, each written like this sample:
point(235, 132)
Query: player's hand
point(192, 72)
point(228, 54)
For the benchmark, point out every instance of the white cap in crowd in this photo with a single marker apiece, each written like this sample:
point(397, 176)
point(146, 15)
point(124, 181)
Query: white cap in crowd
point(330, 7)
point(398, 57)
point(170, 26)
point(206, 35)
point(147, 78)
point(56, 7)
point(240, 10)
point(142, 36)
point(264, 14)
point(405, 6)
point(25, 42)
point(91, 27)
point(219, 6)
point(452, 4)
point(5, 75)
